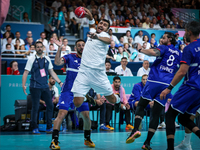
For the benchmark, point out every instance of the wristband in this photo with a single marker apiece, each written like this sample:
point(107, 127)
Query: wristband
point(170, 87)
point(59, 82)
point(91, 21)
point(139, 50)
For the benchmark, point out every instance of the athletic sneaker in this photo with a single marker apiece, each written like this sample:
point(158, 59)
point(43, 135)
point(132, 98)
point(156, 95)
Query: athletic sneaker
point(129, 127)
point(146, 147)
point(162, 125)
point(104, 128)
point(49, 131)
point(89, 143)
point(111, 128)
point(54, 145)
point(36, 131)
point(134, 135)
point(90, 99)
point(183, 146)
point(177, 125)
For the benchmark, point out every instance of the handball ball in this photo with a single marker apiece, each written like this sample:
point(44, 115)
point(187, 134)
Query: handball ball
point(79, 12)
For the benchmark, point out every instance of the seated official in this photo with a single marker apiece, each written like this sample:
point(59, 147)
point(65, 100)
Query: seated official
point(136, 93)
point(108, 67)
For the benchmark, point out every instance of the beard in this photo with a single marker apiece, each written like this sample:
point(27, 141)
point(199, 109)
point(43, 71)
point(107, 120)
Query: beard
point(187, 38)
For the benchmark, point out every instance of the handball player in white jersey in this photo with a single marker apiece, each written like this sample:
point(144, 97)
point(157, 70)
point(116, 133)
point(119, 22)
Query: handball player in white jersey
point(92, 72)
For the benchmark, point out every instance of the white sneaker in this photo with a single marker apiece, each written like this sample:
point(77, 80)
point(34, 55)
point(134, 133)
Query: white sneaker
point(183, 147)
point(162, 125)
point(177, 125)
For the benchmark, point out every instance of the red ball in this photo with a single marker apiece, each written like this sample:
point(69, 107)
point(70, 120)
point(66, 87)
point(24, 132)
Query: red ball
point(79, 12)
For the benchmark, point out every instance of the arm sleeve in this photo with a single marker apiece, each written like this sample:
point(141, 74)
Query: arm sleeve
point(66, 59)
point(50, 63)
point(104, 34)
point(29, 63)
point(56, 91)
point(162, 49)
point(16, 72)
point(130, 73)
point(139, 73)
point(187, 56)
point(131, 98)
point(8, 71)
point(60, 16)
point(136, 92)
point(50, 20)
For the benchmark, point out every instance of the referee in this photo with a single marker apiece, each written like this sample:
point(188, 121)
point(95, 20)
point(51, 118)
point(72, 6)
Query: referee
point(40, 66)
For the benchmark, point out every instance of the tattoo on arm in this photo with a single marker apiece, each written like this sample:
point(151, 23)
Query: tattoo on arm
point(157, 52)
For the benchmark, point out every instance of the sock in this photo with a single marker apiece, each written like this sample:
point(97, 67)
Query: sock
point(55, 135)
point(170, 144)
point(187, 138)
point(149, 137)
point(118, 100)
point(87, 134)
point(198, 133)
point(137, 123)
point(85, 99)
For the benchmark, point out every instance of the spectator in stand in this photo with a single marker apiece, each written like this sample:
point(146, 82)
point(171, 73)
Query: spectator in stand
point(122, 69)
point(146, 40)
point(162, 20)
point(120, 18)
point(8, 50)
point(135, 15)
point(4, 40)
point(68, 48)
point(144, 69)
point(151, 26)
point(112, 52)
point(121, 54)
point(53, 23)
point(128, 34)
point(155, 24)
point(42, 39)
point(132, 24)
point(17, 35)
point(146, 24)
point(61, 21)
point(29, 34)
point(51, 42)
point(8, 29)
point(152, 44)
point(165, 23)
point(13, 69)
point(9, 41)
point(32, 47)
point(168, 26)
point(17, 44)
point(125, 108)
point(178, 41)
point(56, 5)
point(153, 35)
point(139, 37)
point(108, 67)
point(136, 93)
point(113, 37)
point(25, 17)
point(30, 42)
point(51, 50)
point(151, 15)
point(126, 49)
point(112, 19)
point(130, 41)
point(137, 22)
point(175, 23)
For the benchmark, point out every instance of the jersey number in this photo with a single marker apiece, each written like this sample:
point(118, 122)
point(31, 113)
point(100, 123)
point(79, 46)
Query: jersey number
point(170, 61)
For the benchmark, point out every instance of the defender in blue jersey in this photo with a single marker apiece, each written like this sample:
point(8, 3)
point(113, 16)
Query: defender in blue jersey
point(162, 72)
point(72, 63)
point(186, 101)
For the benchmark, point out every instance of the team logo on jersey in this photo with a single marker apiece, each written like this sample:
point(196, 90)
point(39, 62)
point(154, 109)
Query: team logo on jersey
point(76, 61)
point(62, 102)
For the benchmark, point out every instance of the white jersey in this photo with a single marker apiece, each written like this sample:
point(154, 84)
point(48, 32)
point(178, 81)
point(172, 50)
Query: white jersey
point(94, 53)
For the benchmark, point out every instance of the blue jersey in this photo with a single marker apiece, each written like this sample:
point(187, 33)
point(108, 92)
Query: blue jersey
point(191, 56)
point(165, 66)
point(136, 92)
point(72, 62)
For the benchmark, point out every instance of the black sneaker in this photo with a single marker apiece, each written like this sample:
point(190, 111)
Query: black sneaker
point(146, 147)
point(90, 99)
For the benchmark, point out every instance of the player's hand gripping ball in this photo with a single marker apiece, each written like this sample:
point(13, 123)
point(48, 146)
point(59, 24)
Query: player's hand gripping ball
point(79, 12)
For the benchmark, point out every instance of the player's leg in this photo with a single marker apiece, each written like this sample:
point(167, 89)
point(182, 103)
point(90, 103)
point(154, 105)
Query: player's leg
point(156, 111)
point(84, 111)
point(139, 114)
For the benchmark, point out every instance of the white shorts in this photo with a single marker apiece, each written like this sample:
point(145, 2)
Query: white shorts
point(88, 78)
point(198, 111)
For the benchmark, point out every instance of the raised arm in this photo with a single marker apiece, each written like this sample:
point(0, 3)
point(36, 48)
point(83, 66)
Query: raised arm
point(90, 17)
point(149, 52)
point(58, 61)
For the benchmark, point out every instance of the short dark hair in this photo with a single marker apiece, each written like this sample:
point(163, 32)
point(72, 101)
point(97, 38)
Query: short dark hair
point(172, 36)
point(153, 34)
point(116, 78)
point(108, 62)
point(38, 42)
point(80, 40)
point(144, 75)
point(51, 45)
point(128, 31)
point(194, 27)
point(107, 22)
point(17, 32)
point(42, 33)
point(8, 45)
point(123, 58)
point(8, 25)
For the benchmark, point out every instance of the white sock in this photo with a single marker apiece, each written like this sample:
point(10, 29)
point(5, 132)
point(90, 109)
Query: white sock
point(117, 98)
point(85, 99)
point(187, 138)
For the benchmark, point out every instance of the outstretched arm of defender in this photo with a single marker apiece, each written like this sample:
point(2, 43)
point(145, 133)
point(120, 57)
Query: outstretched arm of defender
point(58, 61)
point(90, 17)
point(149, 52)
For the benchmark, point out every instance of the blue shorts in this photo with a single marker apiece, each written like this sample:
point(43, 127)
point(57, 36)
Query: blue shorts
point(152, 92)
point(62, 30)
point(186, 100)
point(132, 105)
point(66, 102)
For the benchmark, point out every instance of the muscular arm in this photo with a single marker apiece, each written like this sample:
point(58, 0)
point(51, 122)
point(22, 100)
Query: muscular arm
point(54, 75)
point(180, 74)
point(105, 40)
point(24, 78)
point(151, 52)
point(58, 61)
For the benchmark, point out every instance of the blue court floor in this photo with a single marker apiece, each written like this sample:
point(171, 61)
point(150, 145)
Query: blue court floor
point(74, 141)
